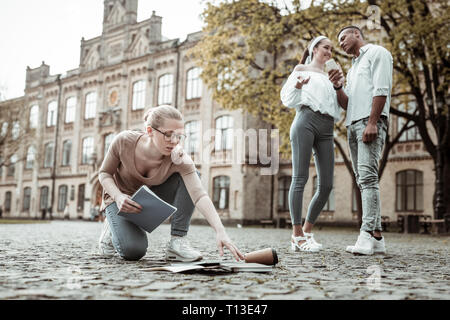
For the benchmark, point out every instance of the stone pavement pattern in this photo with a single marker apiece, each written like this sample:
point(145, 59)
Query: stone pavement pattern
point(57, 260)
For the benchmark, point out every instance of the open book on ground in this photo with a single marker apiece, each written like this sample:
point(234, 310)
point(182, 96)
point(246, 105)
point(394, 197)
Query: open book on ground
point(212, 266)
point(154, 210)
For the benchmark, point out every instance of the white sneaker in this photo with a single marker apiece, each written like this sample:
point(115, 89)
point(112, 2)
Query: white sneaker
point(379, 246)
point(179, 249)
point(310, 236)
point(306, 246)
point(105, 245)
point(364, 244)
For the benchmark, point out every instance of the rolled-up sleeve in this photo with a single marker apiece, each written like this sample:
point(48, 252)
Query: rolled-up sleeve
point(290, 95)
point(381, 69)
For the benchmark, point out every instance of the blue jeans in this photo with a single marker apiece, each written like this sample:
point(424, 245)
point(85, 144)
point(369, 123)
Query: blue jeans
point(365, 158)
point(129, 240)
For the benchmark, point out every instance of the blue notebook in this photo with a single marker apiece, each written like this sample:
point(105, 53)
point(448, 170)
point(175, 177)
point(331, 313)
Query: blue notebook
point(154, 210)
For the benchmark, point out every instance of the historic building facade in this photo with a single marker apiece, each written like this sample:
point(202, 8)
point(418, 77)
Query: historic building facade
point(131, 67)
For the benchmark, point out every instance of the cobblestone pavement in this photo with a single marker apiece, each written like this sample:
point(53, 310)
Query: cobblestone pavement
point(57, 260)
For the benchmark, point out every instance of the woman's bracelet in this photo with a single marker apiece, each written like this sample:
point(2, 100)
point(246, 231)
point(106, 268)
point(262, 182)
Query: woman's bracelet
point(338, 88)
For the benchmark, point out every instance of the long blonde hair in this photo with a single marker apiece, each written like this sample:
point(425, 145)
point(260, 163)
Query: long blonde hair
point(154, 117)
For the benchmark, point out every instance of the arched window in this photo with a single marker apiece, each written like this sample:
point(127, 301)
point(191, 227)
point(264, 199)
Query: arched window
point(15, 132)
point(62, 197)
point(221, 192)
point(52, 110)
point(413, 133)
point(284, 183)
point(67, 149)
point(409, 190)
point(7, 205)
point(26, 199)
point(31, 153)
point(165, 89)
point(193, 84)
point(224, 133)
point(44, 198)
point(12, 166)
point(193, 136)
point(108, 140)
point(71, 104)
point(88, 150)
point(34, 116)
point(48, 155)
point(138, 95)
point(90, 106)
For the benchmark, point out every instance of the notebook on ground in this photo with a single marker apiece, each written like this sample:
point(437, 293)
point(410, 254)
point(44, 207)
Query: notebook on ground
point(154, 210)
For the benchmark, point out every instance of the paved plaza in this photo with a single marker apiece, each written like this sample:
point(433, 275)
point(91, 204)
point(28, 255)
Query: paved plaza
point(57, 260)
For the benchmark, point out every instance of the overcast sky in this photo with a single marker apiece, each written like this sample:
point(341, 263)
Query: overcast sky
point(32, 31)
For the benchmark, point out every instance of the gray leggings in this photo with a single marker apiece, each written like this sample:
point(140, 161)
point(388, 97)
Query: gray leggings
point(129, 240)
point(311, 131)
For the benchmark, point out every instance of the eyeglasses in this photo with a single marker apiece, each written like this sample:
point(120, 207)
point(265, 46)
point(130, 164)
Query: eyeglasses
point(172, 136)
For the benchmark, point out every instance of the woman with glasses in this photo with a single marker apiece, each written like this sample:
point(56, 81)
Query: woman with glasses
point(154, 158)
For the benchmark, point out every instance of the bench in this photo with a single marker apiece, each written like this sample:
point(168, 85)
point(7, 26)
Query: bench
point(267, 222)
point(425, 222)
point(385, 222)
point(408, 223)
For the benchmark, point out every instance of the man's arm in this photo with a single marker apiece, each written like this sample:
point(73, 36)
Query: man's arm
point(371, 131)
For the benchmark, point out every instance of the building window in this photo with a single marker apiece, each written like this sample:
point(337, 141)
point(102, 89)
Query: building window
point(71, 104)
point(62, 197)
point(88, 150)
point(413, 133)
point(48, 155)
point(15, 132)
point(108, 140)
point(26, 199)
point(221, 192)
point(34, 116)
point(165, 89)
point(193, 140)
point(80, 202)
point(31, 153)
point(8, 196)
point(194, 84)
point(67, 148)
point(4, 129)
point(284, 183)
point(224, 133)
point(409, 190)
point(44, 198)
point(329, 206)
point(12, 166)
point(52, 110)
point(91, 105)
point(138, 95)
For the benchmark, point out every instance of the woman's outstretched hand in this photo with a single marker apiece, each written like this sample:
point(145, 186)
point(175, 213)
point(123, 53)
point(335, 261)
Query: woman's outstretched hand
point(223, 240)
point(301, 82)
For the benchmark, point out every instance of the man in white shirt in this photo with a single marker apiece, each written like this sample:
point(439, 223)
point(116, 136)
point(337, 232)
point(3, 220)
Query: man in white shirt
point(366, 97)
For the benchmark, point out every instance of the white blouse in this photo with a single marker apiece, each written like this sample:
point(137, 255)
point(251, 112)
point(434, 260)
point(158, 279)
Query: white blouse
point(318, 94)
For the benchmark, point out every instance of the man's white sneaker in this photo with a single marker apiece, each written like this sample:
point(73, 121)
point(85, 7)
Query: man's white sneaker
point(310, 237)
point(179, 249)
point(364, 244)
point(105, 245)
point(379, 246)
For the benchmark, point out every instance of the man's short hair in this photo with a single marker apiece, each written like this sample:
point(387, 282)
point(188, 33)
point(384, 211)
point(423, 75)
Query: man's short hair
point(350, 27)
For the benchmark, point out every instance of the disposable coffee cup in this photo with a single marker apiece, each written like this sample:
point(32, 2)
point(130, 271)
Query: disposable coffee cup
point(265, 256)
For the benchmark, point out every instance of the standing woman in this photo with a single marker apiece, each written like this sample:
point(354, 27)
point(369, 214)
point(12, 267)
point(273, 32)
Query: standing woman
point(153, 158)
point(311, 93)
